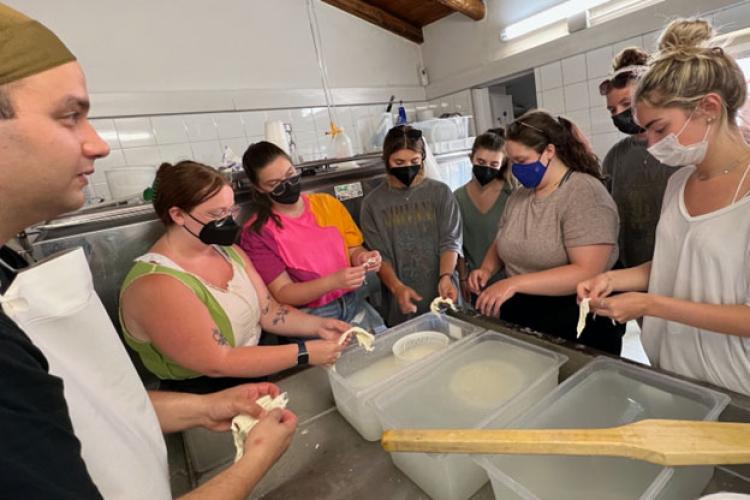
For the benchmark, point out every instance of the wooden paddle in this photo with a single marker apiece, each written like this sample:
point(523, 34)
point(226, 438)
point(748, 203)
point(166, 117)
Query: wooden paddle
point(663, 442)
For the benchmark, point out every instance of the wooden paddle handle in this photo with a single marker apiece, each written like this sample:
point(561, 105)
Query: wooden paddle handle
point(493, 441)
point(663, 442)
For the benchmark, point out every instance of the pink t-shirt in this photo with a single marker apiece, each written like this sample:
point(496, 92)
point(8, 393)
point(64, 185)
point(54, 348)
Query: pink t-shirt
point(307, 247)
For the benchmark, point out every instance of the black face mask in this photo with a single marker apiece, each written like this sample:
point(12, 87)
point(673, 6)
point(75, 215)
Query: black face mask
point(405, 174)
point(287, 193)
point(484, 174)
point(222, 232)
point(625, 124)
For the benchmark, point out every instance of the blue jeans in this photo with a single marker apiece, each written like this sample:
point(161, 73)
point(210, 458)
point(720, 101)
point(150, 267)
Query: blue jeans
point(352, 308)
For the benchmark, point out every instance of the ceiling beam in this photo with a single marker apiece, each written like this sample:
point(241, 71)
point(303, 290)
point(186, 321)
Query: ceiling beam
point(379, 17)
point(472, 8)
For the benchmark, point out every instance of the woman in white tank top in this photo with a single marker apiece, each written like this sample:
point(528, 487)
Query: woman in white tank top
point(697, 319)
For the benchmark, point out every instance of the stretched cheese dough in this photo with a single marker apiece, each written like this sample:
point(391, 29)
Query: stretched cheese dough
point(435, 305)
point(583, 311)
point(242, 424)
point(364, 338)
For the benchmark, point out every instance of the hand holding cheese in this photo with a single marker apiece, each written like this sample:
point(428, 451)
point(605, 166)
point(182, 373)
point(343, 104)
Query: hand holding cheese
point(364, 338)
point(583, 311)
point(243, 424)
point(446, 304)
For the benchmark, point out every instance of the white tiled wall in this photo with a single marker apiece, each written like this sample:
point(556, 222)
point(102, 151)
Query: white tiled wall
point(571, 86)
point(151, 140)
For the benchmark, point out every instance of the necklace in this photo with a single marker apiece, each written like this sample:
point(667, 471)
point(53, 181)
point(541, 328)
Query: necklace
point(737, 161)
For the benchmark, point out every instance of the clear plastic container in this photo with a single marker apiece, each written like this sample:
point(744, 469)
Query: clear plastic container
point(127, 182)
point(485, 374)
point(359, 375)
point(605, 393)
point(372, 130)
point(444, 130)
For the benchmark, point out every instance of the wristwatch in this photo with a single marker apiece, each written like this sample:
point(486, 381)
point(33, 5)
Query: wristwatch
point(303, 357)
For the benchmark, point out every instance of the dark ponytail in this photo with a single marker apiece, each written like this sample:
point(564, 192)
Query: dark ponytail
point(403, 137)
point(536, 129)
point(256, 158)
point(184, 185)
point(492, 140)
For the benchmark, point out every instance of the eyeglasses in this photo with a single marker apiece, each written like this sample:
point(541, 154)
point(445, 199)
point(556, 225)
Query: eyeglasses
point(622, 77)
point(224, 213)
point(291, 181)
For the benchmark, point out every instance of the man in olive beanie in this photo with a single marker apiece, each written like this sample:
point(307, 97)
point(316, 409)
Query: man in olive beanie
point(63, 435)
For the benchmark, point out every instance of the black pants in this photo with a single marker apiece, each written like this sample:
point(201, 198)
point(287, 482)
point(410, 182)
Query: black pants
point(559, 316)
point(205, 385)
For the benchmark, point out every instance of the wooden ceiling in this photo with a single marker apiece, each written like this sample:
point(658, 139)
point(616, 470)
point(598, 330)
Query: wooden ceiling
point(407, 17)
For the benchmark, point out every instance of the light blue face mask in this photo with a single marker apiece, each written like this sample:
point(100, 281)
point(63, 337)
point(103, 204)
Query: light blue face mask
point(530, 175)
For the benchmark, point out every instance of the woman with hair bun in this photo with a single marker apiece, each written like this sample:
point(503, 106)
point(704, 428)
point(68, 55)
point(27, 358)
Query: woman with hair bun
point(695, 309)
point(559, 228)
point(193, 307)
point(635, 178)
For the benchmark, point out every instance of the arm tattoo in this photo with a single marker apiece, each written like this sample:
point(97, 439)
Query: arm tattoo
point(281, 313)
point(267, 307)
point(218, 337)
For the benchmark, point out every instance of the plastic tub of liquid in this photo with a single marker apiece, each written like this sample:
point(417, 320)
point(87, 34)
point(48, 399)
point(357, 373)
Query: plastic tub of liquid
point(476, 379)
point(360, 375)
point(605, 393)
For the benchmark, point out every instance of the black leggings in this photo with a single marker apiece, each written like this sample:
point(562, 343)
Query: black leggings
point(559, 316)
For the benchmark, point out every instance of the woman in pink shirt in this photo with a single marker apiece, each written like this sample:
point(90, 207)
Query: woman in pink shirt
point(306, 247)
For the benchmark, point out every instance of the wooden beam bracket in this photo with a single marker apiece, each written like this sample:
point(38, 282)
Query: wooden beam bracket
point(474, 9)
point(379, 17)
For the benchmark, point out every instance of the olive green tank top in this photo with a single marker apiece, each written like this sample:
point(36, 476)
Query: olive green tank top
point(157, 362)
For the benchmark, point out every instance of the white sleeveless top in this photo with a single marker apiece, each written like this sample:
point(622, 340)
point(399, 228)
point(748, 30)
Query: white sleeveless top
point(239, 300)
point(704, 258)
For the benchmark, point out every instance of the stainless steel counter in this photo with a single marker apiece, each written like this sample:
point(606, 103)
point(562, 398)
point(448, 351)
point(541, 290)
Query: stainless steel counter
point(329, 460)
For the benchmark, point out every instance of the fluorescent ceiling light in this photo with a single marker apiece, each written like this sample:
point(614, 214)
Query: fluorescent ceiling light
point(610, 12)
point(549, 16)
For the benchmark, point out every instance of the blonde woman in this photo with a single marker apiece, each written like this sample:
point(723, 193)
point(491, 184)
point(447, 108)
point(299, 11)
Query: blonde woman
point(697, 319)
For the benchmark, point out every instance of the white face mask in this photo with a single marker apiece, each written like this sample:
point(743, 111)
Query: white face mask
point(670, 152)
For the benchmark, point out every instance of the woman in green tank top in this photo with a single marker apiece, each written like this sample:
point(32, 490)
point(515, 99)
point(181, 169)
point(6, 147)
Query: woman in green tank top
point(481, 201)
point(194, 306)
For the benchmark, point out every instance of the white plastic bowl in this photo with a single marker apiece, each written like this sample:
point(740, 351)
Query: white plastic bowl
point(416, 346)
